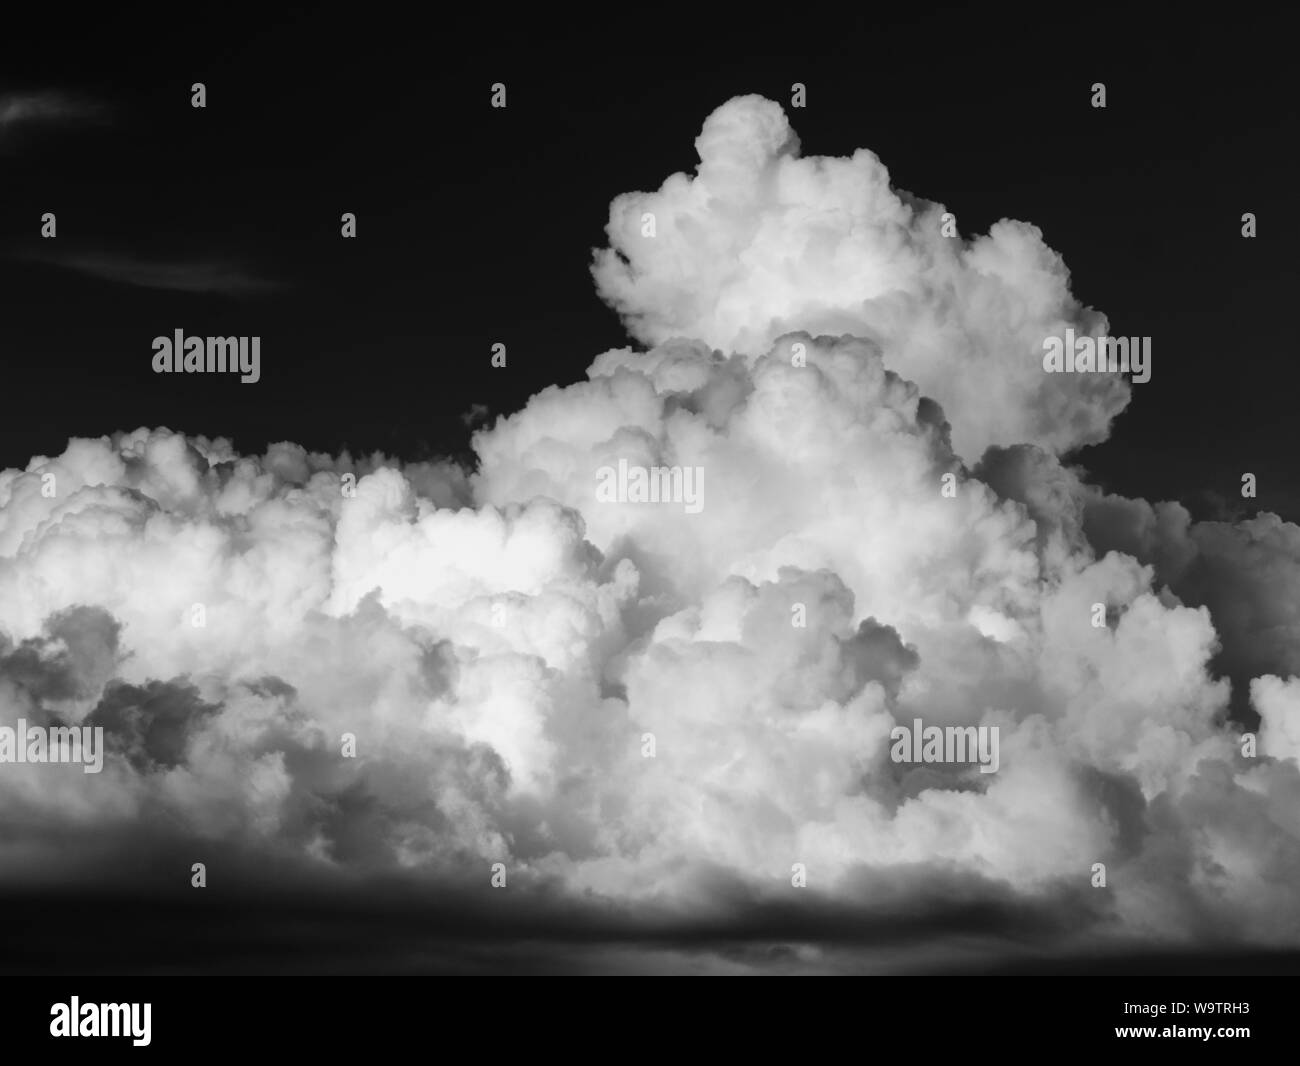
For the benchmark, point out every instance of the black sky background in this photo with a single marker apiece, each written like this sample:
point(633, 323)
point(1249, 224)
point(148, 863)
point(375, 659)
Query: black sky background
point(476, 225)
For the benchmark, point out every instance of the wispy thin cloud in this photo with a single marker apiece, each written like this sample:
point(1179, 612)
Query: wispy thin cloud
point(220, 276)
point(22, 110)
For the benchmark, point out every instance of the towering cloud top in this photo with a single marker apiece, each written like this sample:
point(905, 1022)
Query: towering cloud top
point(761, 242)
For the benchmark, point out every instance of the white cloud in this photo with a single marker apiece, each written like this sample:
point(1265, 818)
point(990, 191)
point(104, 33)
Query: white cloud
point(499, 645)
point(760, 242)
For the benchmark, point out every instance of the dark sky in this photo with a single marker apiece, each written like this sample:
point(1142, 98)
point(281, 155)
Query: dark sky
point(476, 225)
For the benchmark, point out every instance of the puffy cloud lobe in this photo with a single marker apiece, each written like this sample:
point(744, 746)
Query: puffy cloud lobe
point(760, 242)
point(1246, 573)
point(1278, 703)
point(817, 467)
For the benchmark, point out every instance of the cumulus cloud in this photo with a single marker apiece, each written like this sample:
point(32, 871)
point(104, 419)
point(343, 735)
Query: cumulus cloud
point(637, 707)
point(760, 242)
